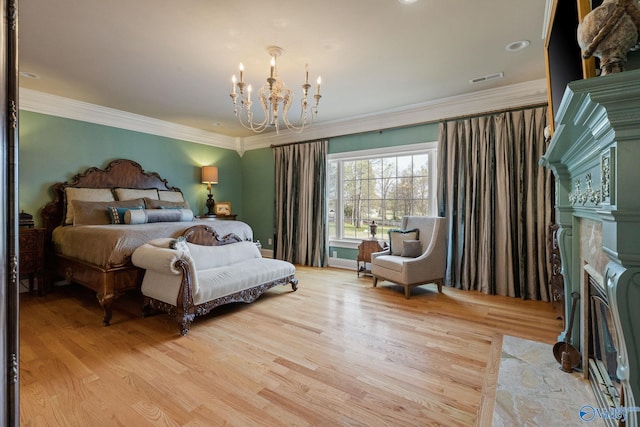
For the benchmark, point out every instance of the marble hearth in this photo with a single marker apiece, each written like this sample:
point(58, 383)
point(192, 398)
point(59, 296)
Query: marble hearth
point(595, 157)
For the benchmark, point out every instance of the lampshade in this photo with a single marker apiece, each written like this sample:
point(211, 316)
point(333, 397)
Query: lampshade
point(209, 174)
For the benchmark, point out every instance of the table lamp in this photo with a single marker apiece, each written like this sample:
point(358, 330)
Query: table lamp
point(210, 176)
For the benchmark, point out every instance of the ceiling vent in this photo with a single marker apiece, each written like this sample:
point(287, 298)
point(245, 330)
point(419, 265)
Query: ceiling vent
point(487, 78)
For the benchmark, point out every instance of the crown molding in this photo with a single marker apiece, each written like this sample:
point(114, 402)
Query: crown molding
point(505, 97)
point(53, 105)
point(517, 95)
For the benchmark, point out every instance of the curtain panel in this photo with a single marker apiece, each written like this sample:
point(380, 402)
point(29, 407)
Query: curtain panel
point(300, 179)
point(498, 203)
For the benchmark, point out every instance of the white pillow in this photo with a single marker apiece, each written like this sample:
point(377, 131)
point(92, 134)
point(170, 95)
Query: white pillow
point(136, 193)
point(87, 195)
point(170, 196)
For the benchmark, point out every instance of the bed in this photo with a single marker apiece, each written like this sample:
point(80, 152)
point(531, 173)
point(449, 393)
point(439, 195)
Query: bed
point(90, 236)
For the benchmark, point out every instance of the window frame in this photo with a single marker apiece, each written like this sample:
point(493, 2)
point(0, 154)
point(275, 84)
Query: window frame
point(395, 151)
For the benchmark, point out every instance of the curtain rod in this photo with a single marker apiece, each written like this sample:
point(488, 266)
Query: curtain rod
point(491, 113)
point(444, 120)
point(272, 146)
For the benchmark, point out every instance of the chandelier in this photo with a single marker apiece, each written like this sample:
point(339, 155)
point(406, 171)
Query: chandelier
point(275, 99)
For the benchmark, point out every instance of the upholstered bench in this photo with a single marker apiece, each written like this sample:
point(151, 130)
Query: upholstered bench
point(186, 279)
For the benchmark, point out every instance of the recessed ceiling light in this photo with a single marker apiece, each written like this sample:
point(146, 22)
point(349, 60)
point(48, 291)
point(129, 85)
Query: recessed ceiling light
point(519, 45)
point(29, 75)
point(407, 1)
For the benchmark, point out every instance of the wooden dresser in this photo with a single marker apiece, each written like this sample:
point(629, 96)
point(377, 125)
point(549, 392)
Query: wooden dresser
point(32, 256)
point(365, 249)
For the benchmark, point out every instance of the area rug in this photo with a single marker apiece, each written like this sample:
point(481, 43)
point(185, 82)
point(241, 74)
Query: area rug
point(532, 390)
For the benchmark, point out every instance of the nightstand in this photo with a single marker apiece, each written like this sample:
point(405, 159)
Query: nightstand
point(32, 256)
point(365, 249)
point(231, 217)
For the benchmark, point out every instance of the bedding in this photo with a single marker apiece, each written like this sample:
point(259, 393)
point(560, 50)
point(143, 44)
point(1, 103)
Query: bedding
point(112, 245)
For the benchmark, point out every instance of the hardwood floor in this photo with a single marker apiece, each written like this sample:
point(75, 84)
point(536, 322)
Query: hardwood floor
point(336, 352)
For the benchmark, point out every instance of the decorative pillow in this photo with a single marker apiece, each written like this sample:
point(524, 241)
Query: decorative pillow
point(136, 193)
point(87, 194)
point(143, 216)
point(164, 204)
point(97, 213)
point(171, 196)
point(396, 237)
point(411, 248)
point(116, 214)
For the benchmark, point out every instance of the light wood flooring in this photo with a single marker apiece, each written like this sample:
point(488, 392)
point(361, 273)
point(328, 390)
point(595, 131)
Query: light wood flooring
point(335, 352)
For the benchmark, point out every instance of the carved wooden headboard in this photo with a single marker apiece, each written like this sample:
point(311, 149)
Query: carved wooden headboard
point(118, 173)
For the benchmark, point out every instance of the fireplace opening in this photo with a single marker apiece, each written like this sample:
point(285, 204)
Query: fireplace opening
point(602, 348)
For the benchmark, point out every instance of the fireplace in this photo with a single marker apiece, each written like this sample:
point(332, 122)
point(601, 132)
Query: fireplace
point(594, 155)
point(601, 348)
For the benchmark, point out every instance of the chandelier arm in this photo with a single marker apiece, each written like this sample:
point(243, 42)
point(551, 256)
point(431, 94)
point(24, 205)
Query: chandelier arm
point(246, 120)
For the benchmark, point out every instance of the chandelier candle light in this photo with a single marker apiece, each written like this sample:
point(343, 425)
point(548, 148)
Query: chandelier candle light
point(275, 99)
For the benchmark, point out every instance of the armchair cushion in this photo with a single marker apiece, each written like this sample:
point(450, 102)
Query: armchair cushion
point(411, 248)
point(396, 237)
point(390, 262)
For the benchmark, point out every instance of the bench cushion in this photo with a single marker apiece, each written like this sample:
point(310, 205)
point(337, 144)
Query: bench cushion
point(206, 257)
point(221, 281)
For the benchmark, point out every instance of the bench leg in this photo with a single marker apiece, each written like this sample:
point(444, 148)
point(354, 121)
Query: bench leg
point(184, 323)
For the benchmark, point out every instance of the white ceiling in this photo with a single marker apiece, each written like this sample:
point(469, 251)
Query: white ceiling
point(173, 60)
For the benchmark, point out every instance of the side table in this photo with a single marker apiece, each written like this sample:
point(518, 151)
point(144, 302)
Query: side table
point(31, 242)
point(365, 249)
point(231, 217)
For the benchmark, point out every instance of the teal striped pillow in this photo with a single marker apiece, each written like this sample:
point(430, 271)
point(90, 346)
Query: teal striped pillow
point(117, 214)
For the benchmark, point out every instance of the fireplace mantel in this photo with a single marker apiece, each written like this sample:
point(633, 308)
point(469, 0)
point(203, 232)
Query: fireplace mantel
point(595, 157)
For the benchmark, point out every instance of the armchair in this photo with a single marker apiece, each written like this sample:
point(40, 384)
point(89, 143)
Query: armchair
point(408, 271)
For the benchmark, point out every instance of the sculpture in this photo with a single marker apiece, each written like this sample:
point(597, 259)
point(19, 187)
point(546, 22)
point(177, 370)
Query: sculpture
point(608, 32)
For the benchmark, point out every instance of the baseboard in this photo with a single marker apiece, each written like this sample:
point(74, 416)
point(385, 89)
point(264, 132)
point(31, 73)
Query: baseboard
point(347, 264)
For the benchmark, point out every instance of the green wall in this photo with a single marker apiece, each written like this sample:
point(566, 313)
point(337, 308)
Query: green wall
point(385, 138)
point(258, 193)
point(54, 149)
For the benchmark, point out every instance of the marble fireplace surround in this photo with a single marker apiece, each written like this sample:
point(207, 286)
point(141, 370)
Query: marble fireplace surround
point(594, 155)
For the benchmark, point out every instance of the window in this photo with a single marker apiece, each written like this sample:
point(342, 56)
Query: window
point(380, 185)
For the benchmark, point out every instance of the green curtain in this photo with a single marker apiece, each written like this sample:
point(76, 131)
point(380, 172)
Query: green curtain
point(300, 179)
point(498, 203)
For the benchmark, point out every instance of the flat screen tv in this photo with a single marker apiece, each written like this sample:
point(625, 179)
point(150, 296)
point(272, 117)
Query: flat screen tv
point(563, 56)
